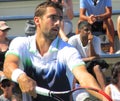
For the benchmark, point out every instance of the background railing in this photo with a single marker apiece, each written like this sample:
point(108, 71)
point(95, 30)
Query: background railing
point(8, 18)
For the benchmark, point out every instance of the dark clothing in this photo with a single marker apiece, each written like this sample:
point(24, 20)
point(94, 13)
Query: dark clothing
point(94, 62)
point(2, 57)
point(42, 98)
point(98, 27)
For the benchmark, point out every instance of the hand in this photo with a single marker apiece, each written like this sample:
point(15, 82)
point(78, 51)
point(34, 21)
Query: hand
point(27, 85)
point(92, 19)
point(90, 37)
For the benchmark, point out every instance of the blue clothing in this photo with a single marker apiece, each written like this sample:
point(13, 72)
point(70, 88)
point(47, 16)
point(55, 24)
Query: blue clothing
point(50, 70)
point(96, 10)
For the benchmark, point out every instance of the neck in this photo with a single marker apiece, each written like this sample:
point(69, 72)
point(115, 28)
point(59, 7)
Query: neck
point(42, 45)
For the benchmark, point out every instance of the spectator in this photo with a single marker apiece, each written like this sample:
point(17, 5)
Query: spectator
point(113, 89)
point(7, 87)
point(99, 12)
point(4, 41)
point(118, 27)
point(29, 28)
point(44, 57)
point(89, 48)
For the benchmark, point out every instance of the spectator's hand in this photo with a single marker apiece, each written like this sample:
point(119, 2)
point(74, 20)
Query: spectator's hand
point(27, 85)
point(90, 37)
point(92, 19)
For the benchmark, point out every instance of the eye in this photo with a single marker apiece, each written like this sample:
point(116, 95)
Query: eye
point(53, 17)
point(56, 17)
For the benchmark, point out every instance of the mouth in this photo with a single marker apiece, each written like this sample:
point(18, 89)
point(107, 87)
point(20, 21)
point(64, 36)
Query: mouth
point(55, 29)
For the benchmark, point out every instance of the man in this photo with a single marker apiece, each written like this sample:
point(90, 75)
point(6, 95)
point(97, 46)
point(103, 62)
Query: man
point(96, 12)
point(45, 57)
point(89, 48)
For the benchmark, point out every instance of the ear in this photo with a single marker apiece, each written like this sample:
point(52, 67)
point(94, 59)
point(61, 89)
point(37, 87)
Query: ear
point(37, 20)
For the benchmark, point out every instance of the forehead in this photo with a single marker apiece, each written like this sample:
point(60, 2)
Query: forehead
point(87, 26)
point(52, 10)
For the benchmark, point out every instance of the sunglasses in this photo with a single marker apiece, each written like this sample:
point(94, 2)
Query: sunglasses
point(5, 31)
point(6, 84)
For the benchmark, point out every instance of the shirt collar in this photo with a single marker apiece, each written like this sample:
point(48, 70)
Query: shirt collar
point(53, 47)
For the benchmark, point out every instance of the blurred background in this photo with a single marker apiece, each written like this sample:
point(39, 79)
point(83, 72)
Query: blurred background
point(17, 12)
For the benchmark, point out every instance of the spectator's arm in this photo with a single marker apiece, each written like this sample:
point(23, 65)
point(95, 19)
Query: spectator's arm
point(107, 14)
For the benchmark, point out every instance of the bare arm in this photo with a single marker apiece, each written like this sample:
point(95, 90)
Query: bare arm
point(86, 79)
point(107, 14)
point(118, 27)
point(92, 52)
point(107, 91)
point(91, 19)
point(26, 83)
point(69, 6)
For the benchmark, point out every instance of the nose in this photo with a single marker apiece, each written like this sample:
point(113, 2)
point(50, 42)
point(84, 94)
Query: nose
point(58, 21)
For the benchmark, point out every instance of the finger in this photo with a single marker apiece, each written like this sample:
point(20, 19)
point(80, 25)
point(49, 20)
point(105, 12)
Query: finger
point(33, 94)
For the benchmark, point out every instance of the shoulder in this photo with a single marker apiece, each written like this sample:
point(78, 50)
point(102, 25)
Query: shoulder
point(21, 40)
point(73, 38)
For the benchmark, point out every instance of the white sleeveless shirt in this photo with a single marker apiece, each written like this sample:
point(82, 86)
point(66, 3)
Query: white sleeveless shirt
point(115, 93)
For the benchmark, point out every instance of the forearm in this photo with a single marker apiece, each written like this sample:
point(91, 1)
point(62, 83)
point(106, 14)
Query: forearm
point(105, 15)
point(83, 17)
point(92, 50)
point(88, 58)
point(87, 80)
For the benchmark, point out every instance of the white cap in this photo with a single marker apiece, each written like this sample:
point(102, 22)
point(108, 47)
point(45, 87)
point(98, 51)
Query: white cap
point(3, 25)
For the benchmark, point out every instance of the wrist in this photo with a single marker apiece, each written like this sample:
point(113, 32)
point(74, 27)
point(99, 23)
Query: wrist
point(15, 74)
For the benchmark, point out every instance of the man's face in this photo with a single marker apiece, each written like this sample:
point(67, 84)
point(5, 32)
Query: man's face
point(6, 86)
point(50, 23)
point(85, 31)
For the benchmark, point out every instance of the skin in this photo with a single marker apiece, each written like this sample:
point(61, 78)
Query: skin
point(46, 31)
point(118, 26)
point(3, 40)
point(92, 54)
point(108, 90)
point(69, 6)
point(107, 23)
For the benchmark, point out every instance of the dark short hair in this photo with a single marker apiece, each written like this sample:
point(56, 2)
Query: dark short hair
point(115, 71)
point(59, 1)
point(82, 24)
point(41, 8)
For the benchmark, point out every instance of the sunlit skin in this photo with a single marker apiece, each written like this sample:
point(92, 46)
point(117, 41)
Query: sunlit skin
point(47, 28)
point(3, 41)
point(50, 26)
